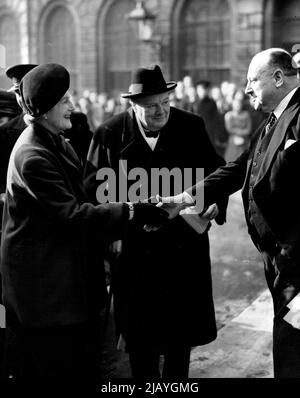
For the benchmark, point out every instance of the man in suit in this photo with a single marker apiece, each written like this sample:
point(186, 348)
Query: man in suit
point(52, 289)
point(162, 294)
point(268, 174)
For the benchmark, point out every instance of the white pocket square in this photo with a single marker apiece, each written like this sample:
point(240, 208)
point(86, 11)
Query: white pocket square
point(289, 143)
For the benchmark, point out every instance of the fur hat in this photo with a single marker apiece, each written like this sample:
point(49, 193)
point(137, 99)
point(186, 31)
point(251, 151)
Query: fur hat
point(43, 87)
point(148, 81)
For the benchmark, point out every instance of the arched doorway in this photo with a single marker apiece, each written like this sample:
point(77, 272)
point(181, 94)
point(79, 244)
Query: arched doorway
point(283, 21)
point(59, 40)
point(119, 48)
point(10, 42)
point(203, 40)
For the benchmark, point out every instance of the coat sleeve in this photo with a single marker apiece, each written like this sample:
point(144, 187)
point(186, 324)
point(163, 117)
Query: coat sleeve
point(214, 161)
point(223, 182)
point(45, 185)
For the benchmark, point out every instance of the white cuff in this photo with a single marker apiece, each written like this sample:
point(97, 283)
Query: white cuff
point(187, 198)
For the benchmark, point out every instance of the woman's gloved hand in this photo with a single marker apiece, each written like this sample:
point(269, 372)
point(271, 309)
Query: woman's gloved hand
point(150, 214)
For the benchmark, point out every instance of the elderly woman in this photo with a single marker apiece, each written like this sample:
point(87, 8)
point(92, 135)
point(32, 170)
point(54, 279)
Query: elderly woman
point(53, 289)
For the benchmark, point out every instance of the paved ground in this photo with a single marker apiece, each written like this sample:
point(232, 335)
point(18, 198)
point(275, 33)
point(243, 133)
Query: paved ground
point(243, 348)
point(243, 310)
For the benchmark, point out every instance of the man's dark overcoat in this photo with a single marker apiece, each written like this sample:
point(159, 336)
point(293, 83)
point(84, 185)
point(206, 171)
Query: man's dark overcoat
point(162, 280)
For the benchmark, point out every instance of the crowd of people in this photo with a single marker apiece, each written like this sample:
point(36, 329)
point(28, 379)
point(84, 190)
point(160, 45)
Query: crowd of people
point(57, 235)
point(227, 112)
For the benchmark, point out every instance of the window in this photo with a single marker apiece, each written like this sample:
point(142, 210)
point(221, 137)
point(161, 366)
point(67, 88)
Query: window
point(122, 50)
point(286, 22)
point(205, 40)
point(59, 41)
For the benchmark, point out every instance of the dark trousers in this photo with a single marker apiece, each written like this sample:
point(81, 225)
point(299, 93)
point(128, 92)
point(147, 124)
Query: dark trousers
point(145, 363)
point(286, 338)
point(63, 354)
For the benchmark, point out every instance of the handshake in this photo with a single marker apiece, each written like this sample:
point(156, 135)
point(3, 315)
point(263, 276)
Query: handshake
point(152, 216)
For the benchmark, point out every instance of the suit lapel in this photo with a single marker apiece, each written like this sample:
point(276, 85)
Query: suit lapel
point(279, 133)
point(252, 149)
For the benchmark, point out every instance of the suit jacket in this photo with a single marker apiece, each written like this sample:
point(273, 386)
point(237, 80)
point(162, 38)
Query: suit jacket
point(275, 191)
point(162, 281)
point(48, 277)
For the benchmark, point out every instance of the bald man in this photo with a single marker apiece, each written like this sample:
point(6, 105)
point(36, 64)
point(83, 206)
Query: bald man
point(269, 174)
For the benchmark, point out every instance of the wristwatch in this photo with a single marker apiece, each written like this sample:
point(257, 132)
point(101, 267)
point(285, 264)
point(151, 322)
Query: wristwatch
point(131, 210)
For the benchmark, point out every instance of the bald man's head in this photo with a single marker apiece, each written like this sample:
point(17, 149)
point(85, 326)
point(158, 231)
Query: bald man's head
point(275, 58)
point(271, 77)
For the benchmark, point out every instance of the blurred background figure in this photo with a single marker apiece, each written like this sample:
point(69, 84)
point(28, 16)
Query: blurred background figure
point(217, 96)
point(178, 95)
point(238, 125)
point(206, 107)
point(187, 82)
point(9, 107)
point(190, 97)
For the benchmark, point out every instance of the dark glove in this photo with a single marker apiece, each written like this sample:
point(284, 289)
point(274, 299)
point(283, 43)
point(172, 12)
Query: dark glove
point(147, 213)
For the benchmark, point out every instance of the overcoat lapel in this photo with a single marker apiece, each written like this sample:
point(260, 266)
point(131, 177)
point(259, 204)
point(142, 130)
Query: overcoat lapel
point(70, 166)
point(133, 144)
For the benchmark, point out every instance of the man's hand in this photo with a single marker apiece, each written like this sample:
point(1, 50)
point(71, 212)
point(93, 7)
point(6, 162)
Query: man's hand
point(211, 212)
point(174, 204)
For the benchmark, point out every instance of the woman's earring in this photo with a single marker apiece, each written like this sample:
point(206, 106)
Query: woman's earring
point(45, 117)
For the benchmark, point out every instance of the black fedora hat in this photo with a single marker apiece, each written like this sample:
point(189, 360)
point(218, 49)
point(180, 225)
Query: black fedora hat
point(148, 81)
point(17, 72)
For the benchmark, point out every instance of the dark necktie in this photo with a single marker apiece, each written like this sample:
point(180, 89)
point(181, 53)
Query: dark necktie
point(270, 124)
point(151, 134)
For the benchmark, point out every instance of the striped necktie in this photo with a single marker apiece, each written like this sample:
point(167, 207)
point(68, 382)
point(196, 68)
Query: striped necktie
point(270, 124)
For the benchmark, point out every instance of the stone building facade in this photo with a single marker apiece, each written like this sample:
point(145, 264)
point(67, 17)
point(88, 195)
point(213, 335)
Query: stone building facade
point(207, 39)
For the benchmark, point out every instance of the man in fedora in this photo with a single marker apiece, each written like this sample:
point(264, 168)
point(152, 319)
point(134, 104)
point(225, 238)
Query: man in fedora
point(161, 281)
